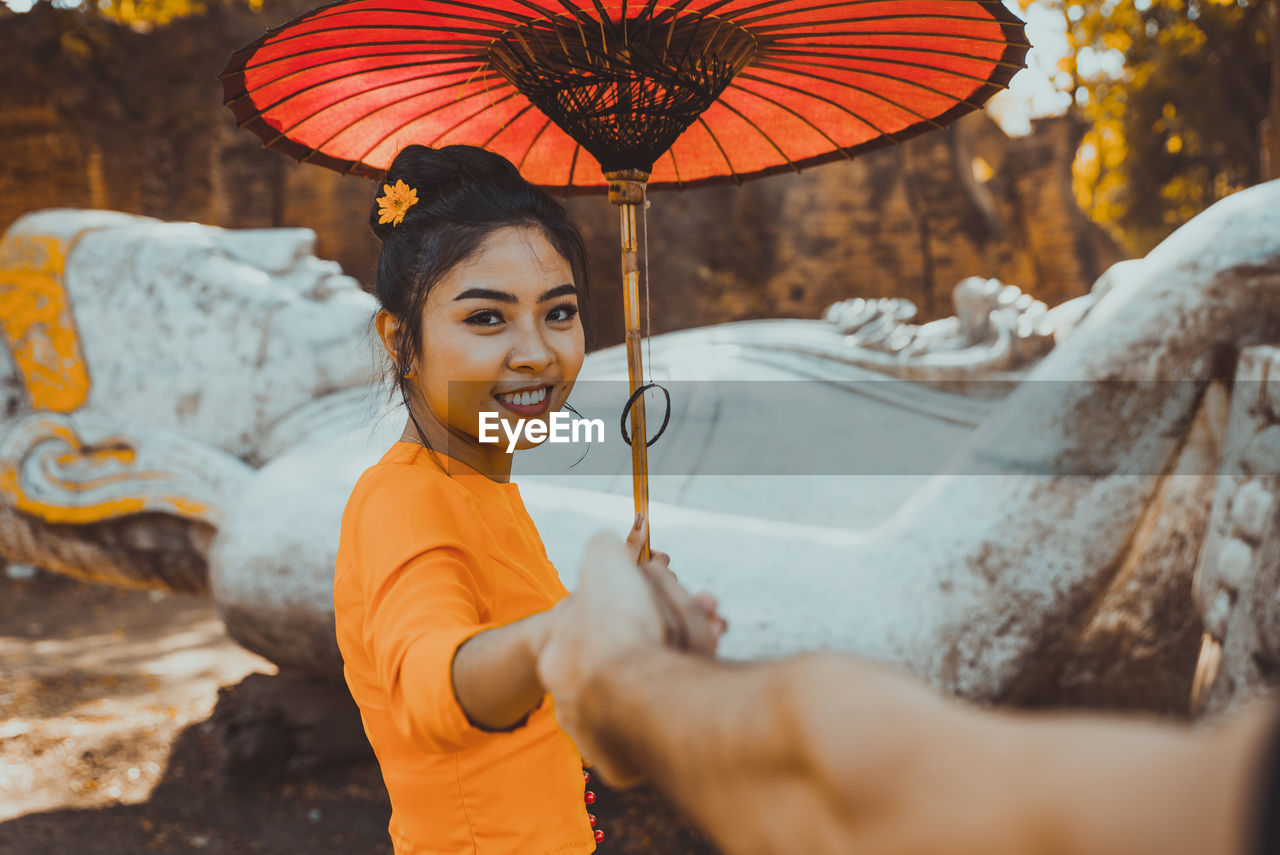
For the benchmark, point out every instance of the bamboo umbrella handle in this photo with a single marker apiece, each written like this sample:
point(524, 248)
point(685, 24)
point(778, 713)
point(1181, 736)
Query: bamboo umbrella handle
point(627, 191)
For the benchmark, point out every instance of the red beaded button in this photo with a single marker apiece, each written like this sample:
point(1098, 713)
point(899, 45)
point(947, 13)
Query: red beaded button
point(599, 836)
point(589, 797)
point(592, 817)
point(586, 777)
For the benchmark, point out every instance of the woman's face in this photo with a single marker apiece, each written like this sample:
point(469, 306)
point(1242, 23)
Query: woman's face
point(500, 333)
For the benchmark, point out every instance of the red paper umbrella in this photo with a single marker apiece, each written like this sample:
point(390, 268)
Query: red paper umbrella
point(690, 91)
point(586, 96)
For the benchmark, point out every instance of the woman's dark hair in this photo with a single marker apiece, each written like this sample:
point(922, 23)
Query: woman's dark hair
point(464, 194)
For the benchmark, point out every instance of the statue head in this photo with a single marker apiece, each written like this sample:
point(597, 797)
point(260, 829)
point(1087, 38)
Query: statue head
point(212, 333)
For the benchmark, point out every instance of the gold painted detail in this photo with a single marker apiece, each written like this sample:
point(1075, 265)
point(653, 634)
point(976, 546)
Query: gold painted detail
point(37, 324)
point(82, 472)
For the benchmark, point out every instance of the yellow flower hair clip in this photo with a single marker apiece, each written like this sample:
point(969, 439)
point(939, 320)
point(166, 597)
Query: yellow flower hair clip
point(394, 202)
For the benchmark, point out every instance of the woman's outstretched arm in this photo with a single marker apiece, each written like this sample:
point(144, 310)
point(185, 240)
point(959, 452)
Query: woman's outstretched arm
point(826, 753)
point(494, 674)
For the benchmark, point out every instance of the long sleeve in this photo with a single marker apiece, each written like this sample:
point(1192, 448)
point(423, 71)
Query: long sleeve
point(424, 595)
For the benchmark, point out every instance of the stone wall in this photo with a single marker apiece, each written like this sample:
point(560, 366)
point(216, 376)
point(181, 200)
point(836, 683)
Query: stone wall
point(909, 221)
point(101, 116)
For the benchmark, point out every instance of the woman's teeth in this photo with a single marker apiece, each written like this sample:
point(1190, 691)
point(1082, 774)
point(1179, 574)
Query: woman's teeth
point(525, 399)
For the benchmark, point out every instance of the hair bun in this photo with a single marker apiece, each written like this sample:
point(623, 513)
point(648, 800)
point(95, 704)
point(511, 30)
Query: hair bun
point(438, 174)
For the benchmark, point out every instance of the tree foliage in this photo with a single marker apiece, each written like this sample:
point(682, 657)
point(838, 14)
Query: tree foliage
point(147, 14)
point(144, 13)
point(1177, 128)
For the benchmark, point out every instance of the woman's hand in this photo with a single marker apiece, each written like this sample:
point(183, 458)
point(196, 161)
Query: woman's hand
point(637, 536)
point(691, 622)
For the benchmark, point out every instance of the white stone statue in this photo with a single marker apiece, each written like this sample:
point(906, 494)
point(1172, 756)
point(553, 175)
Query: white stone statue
point(143, 362)
point(213, 394)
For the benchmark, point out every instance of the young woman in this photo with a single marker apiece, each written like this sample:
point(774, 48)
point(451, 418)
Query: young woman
point(442, 588)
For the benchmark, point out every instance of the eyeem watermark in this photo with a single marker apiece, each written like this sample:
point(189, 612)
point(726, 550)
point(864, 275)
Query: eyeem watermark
point(561, 428)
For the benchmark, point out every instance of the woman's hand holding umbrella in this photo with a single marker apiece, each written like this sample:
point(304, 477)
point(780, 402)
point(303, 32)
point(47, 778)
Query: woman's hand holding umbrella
point(691, 622)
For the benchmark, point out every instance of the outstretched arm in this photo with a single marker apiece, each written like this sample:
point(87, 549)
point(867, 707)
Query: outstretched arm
point(494, 677)
point(494, 672)
point(825, 753)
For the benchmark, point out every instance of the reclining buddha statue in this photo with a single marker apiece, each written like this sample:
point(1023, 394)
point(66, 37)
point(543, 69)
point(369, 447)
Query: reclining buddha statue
point(1018, 504)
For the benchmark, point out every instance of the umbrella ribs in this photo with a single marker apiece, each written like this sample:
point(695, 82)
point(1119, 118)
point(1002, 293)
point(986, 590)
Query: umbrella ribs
point(624, 90)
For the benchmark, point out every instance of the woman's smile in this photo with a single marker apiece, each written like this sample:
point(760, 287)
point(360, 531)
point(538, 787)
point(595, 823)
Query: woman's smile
point(527, 401)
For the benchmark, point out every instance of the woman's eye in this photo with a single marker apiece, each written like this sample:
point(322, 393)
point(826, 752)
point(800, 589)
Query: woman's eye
point(562, 313)
point(487, 318)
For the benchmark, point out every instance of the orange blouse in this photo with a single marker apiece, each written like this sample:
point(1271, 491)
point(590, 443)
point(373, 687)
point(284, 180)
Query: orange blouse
point(427, 560)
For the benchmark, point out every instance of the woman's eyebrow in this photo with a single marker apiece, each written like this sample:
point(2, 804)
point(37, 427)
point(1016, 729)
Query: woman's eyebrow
point(558, 291)
point(487, 294)
point(507, 297)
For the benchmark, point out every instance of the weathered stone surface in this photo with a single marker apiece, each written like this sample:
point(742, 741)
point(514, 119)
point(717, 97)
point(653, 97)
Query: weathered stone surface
point(87, 467)
point(1234, 565)
point(272, 563)
point(1251, 512)
point(1135, 647)
point(1217, 615)
point(184, 323)
point(1262, 455)
point(147, 550)
point(1238, 577)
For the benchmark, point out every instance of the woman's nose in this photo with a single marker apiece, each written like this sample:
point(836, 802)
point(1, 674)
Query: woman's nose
point(530, 352)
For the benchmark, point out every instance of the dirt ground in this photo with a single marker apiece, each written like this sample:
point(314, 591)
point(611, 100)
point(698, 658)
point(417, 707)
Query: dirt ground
point(106, 745)
point(109, 744)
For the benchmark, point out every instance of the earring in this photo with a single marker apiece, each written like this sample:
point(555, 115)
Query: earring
point(408, 372)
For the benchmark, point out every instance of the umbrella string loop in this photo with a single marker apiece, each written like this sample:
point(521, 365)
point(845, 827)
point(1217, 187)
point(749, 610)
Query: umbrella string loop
point(635, 396)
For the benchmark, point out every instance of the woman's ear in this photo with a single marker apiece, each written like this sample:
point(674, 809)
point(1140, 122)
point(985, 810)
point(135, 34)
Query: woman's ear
point(389, 332)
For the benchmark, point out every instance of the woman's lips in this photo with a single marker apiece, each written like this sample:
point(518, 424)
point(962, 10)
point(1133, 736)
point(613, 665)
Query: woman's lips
point(526, 410)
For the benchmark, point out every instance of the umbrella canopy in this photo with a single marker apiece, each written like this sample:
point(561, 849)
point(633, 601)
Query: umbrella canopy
point(688, 91)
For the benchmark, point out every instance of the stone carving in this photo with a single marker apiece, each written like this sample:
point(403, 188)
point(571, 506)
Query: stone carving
point(984, 578)
point(1237, 585)
point(81, 469)
point(143, 361)
point(996, 327)
point(211, 333)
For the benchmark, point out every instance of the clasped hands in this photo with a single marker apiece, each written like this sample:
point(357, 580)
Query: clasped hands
point(623, 609)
